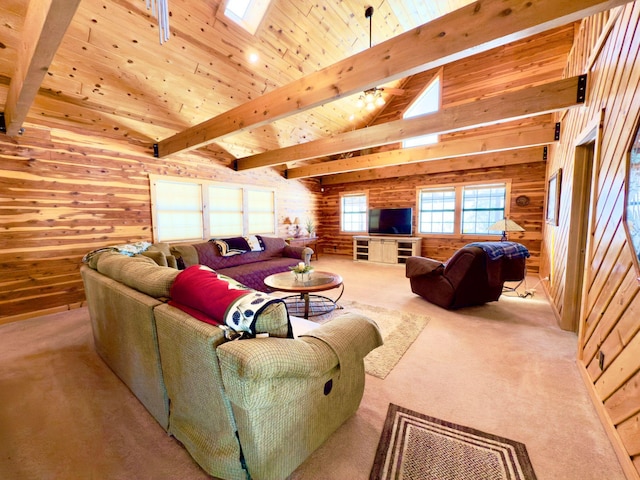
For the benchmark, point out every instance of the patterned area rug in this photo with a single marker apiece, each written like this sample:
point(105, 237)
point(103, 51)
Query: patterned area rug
point(399, 330)
point(417, 447)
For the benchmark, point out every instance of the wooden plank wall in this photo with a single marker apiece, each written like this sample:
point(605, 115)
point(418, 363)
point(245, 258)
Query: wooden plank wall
point(526, 179)
point(63, 194)
point(503, 69)
point(609, 336)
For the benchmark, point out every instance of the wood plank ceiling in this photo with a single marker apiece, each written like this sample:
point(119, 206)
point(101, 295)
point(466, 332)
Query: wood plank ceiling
point(111, 77)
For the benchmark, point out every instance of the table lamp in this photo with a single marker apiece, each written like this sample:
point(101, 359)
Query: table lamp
point(506, 225)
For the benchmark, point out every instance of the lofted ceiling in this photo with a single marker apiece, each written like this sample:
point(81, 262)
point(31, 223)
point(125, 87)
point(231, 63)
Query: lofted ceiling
point(111, 77)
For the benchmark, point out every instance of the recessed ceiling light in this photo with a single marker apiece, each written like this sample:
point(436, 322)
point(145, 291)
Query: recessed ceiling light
point(253, 57)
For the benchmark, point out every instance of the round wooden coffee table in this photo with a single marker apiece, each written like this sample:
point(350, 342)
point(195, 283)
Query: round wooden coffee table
point(307, 303)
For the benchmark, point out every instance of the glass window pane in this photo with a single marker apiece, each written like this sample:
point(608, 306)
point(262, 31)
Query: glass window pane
point(354, 213)
point(428, 102)
point(225, 211)
point(225, 199)
point(483, 205)
point(227, 224)
point(178, 210)
point(261, 217)
point(437, 209)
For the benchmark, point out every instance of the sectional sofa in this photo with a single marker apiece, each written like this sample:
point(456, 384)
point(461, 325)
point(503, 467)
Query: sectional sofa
point(249, 267)
point(250, 408)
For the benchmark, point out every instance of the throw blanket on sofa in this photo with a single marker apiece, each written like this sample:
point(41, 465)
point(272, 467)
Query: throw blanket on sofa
point(202, 293)
point(128, 249)
point(495, 250)
point(238, 245)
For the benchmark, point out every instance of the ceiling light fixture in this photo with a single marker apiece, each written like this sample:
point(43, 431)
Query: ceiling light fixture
point(372, 98)
point(160, 9)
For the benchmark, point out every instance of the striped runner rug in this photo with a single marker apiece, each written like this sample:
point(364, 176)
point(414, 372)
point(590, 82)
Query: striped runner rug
point(414, 446)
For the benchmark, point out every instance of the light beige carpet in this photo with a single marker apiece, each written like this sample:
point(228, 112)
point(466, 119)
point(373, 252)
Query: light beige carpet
point(399, 330)
point(503, 368)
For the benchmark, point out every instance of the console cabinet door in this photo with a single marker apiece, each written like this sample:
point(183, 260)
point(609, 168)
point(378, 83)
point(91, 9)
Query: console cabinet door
point(389, 251)
point(375, 250)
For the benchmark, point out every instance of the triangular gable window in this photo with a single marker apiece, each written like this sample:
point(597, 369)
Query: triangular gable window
point(247, 13)
point(427, 102)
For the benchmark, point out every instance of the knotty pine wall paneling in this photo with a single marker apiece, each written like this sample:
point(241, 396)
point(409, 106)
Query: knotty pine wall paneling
point(526, 179)
point(63, 194)
point(609, 333)
point(499, 70)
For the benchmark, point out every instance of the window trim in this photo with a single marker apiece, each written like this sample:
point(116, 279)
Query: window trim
point(205, 210)
point(459, 188)
point(366, 220)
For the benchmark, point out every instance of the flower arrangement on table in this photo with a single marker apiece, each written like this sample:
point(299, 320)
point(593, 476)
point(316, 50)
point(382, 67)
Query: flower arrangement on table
point(300, 269)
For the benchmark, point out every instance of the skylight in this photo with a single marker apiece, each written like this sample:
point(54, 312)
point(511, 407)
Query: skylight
point(238, 7)
point(247, 13)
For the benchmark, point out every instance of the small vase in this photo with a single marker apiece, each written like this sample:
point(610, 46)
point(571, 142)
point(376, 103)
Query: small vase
point(302, 276)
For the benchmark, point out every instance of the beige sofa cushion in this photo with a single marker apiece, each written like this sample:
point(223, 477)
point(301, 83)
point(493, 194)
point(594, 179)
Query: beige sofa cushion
point(186, 255)
point(161, 254)
point(138, 272)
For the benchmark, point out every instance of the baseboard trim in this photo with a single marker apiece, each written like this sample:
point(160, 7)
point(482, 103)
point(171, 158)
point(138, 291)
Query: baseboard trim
point(627, 465)
point(40, 313)
point(556, 313)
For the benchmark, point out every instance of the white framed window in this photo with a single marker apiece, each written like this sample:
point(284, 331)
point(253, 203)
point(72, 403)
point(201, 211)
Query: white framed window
point(226, 217)
point(197, 209)
point(260, 211)
point(427, 102)
point(178, 210)
point(437, 210)
point(465, 209)
point(482, 206)
point(246, 13)
point(353, 212)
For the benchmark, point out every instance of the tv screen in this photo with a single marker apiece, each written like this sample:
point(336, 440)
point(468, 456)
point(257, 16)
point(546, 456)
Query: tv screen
point(390, 221)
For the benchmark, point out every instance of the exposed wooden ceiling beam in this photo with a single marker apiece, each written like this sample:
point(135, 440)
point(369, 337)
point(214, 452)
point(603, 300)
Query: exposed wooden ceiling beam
point(528, 102)
point(516, 157)
point(475, 28)
point(520, 138)
point(45, 24)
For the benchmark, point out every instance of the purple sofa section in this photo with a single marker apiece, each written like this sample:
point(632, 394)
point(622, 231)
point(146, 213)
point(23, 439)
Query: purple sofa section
point(251, 268)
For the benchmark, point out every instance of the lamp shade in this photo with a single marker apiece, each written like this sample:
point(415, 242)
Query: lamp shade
point(506, 225)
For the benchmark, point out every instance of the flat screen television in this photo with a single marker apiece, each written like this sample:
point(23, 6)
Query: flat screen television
point(390, 221)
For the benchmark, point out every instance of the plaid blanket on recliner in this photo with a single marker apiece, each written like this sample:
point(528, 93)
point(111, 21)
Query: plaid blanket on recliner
point(495, 250)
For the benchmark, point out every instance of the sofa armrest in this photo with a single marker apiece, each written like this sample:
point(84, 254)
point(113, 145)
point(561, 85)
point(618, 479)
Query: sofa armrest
point(251, 369)
point(295, 252)
point(417, 266)
point(312, 354)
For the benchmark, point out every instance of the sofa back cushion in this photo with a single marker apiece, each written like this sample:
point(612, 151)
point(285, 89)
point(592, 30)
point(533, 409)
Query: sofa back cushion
point(208, 254)
point(139, 272)
point(239, 245)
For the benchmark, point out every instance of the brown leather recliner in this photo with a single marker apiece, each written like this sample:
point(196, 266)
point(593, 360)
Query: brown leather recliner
point(468, 278)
